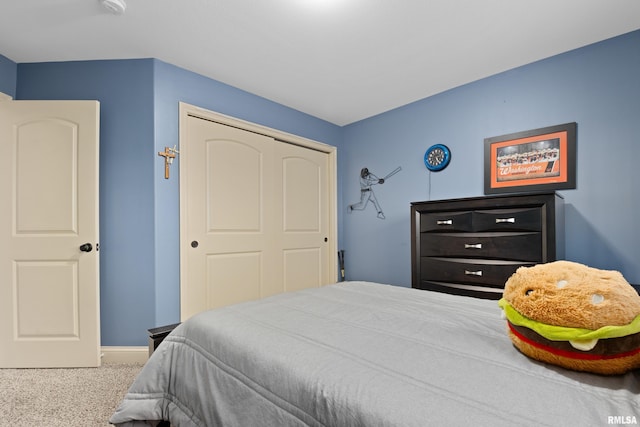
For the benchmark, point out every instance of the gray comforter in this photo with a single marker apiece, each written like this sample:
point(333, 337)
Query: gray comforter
point(363, 354)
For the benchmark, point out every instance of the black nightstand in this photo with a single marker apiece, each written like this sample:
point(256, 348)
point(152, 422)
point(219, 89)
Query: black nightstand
point(156, 335)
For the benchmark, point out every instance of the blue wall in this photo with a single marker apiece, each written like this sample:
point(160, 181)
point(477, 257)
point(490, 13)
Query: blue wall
point(597, 86)
point(8, 75)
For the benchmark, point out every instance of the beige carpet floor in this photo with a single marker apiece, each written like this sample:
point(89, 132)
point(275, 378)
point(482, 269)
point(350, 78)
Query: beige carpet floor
point(63, 397)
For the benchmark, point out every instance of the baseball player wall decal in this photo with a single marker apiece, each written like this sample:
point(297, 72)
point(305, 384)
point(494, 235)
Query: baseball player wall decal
point(367, 181)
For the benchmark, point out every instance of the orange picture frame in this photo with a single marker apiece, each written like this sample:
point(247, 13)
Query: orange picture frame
point(535, 160)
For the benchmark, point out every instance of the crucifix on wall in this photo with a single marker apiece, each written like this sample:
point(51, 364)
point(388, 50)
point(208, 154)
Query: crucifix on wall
point(169, 154)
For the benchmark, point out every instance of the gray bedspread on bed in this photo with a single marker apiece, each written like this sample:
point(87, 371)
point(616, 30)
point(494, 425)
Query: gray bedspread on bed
point(363, 354)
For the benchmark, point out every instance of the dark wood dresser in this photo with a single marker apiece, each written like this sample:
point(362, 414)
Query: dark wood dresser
point(471, 246)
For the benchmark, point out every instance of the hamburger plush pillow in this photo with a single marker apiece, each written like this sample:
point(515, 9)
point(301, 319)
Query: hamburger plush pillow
point(574, 316)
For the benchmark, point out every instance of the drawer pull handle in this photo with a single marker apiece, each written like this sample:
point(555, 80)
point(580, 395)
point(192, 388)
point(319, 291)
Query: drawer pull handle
point(444, 222)
point(473, 273)
point(507, 220)
point(473, 246)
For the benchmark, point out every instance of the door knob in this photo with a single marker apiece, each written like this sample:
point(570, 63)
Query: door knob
point(87, 247)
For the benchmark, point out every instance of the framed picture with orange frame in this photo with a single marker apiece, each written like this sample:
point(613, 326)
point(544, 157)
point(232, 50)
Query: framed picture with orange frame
point(535, 160)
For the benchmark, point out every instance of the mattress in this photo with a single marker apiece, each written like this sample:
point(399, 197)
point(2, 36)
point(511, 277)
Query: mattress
point(363, 354)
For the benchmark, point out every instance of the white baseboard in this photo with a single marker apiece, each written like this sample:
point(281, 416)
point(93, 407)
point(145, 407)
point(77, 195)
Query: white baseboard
point(124, 355)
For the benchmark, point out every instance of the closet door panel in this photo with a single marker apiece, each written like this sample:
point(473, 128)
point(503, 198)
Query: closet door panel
point(255, 216)
point(301, 177)
point(230, 217)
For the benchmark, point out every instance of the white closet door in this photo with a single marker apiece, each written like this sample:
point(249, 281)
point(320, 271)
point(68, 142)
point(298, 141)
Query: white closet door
point(301, 240)
point(255, 216)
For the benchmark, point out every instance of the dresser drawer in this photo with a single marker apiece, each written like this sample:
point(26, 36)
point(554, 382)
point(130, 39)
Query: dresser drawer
point(461, 289)
point(508, 220)
point(528, 219)
point(458, 270)
point(508, 246)
point(446, 221)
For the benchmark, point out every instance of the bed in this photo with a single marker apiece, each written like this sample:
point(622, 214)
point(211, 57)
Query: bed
point(363, 354)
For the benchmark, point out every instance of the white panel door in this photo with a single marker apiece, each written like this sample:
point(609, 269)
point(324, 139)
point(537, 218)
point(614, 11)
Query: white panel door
point(49, 281)
point(303, 216)
point(230, 216)
point(255, 216)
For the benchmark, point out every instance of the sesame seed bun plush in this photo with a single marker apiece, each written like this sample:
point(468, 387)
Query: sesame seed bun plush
point(577, 317)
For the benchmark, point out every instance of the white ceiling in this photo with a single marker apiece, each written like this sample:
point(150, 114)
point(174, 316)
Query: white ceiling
point(339, 60)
